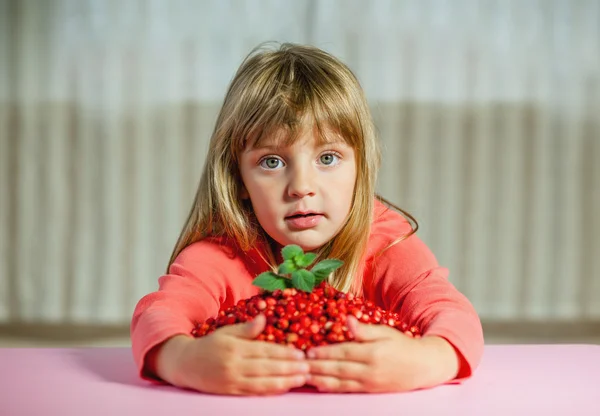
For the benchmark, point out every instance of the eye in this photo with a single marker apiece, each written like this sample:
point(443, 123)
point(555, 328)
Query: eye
point(271, 163)
point(329, 159)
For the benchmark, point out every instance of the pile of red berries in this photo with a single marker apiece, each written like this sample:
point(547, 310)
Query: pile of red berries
point(305, 319)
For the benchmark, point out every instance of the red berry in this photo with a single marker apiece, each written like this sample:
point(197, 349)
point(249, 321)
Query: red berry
point(357, 313)
point(305, 321)
point(331, 337)
point(302, 344)
point(315, 313)
point(279, 311)
point(290, 308)
point(336, 328)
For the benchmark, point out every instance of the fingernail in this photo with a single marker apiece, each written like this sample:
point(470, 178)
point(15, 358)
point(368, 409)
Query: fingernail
point(305, 368)
point(300, 380)
point(299, 355)
point(311, 354)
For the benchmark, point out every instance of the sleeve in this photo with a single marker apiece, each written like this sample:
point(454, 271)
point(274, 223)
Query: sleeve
point(411, 282)
point(193, 290)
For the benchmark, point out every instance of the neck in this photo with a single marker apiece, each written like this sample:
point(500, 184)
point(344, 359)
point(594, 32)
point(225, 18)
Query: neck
point(275, 250)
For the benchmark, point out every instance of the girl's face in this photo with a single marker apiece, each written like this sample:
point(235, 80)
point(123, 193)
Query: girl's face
point(301, 193)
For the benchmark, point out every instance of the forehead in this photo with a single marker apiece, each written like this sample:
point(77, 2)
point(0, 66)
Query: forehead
point(286, 136)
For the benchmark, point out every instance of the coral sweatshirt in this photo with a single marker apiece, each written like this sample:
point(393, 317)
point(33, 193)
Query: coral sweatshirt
point(214, 274)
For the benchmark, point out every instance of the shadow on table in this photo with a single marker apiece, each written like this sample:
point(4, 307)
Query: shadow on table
point(114, 365)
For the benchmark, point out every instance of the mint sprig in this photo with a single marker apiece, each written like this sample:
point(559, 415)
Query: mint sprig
point(293, 271)
point(324, 268)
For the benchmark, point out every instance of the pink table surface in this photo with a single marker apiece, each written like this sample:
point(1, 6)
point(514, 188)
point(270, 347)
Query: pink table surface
point(512, 380)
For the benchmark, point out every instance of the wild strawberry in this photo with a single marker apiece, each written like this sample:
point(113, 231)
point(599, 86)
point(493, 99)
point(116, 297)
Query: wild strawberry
point(305, 321)
point(357, 313)
point(302, 344)
point(261, 305)
point(336, 328)
point(294, 328)
point(280, 311)
point(305, 315)
point(290, 308)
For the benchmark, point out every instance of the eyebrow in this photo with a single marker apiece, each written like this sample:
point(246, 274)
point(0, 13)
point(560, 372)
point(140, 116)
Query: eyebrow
point(276, 147)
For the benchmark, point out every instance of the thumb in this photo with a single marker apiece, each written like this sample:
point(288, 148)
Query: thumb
point(248, 330)
point(367, 332)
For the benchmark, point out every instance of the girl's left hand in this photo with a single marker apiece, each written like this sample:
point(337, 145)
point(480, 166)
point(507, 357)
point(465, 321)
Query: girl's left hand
point(381, 359)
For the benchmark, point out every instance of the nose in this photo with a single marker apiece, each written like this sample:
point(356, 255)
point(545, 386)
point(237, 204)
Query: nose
point(301, 182)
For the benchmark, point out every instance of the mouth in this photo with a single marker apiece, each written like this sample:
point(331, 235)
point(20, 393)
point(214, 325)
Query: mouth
point(307, 214)
point(303, 220)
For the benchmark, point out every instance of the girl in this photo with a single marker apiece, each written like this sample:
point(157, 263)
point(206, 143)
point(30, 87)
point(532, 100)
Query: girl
point(293, 160)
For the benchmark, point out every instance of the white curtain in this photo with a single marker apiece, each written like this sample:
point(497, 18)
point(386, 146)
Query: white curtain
point(488, 112)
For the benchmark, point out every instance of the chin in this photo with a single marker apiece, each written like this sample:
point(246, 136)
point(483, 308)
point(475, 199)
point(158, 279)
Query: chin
point(308, 248)
point(303, 239)
point(308, 245)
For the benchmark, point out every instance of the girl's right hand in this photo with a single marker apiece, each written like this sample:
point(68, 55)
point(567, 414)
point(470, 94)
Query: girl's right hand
point(230, 361)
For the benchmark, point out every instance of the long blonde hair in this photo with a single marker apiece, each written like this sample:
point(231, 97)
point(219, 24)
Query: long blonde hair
point(281, 88)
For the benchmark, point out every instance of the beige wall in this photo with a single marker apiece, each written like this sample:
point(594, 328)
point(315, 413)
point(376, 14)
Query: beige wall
point(488, 116)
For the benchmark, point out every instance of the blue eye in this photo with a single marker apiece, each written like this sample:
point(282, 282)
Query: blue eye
point(329, 159)
point(271, 163)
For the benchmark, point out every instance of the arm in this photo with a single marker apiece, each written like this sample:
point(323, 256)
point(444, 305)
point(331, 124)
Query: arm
point(404, 278)
point(202, 279)
point(206, 277)
point(412, 283)
point(383, 359)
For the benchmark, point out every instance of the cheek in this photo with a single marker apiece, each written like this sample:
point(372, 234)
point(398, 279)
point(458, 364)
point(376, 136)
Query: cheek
point(256, 189)
point(348, 182)
point(345, 187)
point(261, 197)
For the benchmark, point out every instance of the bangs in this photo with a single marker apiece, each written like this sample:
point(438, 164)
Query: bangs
point(286, 134)
point(286, 96)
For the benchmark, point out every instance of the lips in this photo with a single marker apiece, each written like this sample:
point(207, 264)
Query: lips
point(302, 220)
point(301, 214)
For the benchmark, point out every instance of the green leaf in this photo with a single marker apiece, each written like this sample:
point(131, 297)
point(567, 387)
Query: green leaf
point(270, 281)
point(324, 268)
point(305, 260)
point(287, 267)
point(303, 280)
point(290, 251)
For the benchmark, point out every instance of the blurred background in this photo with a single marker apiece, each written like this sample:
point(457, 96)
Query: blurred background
point(488, 112)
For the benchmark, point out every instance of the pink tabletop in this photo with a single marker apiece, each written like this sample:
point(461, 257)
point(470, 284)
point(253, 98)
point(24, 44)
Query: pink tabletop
point(512, 380)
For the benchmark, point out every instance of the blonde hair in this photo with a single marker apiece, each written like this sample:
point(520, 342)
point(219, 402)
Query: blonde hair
point(283, 88)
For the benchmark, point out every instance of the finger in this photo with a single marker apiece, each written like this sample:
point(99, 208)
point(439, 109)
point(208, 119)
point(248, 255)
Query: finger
point(246, 330)
point(346, 351)
point(269, 368)
point(336, 385)
point(368, 332)
point(263, 349)
point(271, 385)
point(340, 369)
